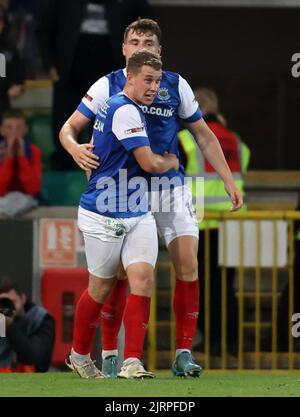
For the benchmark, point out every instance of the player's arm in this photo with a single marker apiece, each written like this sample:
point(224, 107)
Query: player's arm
point(79, 120)
point(212, 151)
point(130, 130)
point(154, 163)
point(82, 154)
point(190, 112)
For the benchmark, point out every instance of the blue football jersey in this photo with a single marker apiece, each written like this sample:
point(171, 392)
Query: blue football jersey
point(175, 100)
point(118, 188)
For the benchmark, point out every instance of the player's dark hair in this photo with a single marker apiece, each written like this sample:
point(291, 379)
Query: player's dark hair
point(142, 26)
point(141, 58)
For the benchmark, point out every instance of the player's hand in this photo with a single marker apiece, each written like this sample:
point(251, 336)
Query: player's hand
point(21, 145)
point(235, 195)
point(11, 145)
point(84, 157)
point(174, 160)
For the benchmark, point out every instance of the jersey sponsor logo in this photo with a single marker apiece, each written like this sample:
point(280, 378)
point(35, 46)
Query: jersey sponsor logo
point(134, 130)
point(163, 94)
point(89, 98)
point(158, 111)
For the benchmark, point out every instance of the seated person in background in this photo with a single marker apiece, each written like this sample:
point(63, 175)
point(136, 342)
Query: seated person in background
point(20, 161)
point(30, 332)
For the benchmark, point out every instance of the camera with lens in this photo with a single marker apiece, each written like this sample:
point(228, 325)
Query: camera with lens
point(7, 307)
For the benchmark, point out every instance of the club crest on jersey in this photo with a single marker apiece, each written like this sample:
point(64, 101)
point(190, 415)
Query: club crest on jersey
point(163, 94)
point(134, 130)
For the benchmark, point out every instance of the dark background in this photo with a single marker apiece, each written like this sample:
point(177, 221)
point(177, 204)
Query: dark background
point(245, 55)
point(16, 259)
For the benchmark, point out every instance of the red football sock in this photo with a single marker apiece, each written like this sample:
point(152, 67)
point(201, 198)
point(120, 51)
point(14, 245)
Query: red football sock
point(186, 308)
point(136, 318)
point(112, 314)
point(86, 315)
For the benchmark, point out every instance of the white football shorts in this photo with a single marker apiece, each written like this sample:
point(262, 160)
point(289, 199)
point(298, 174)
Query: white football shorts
point(111, 240)
point(174, 213)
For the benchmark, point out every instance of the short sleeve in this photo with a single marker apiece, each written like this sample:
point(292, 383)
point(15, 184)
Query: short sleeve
point(129, 128)
point(93, 99)
point(189, 109)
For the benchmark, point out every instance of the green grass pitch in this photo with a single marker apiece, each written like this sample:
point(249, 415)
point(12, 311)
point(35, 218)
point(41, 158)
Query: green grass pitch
point(211, 383)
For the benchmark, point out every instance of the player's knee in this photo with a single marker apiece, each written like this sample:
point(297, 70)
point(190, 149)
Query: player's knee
point(99, 288)
point(142, 285)
point(187, 269)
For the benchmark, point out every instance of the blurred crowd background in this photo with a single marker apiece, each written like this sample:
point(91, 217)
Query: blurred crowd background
point(243, 52)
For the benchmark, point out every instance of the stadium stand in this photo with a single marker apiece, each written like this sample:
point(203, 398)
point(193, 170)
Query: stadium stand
point(63, 188)
point(40, 134)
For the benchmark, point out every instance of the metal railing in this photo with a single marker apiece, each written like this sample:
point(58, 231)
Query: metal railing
point(257, 357)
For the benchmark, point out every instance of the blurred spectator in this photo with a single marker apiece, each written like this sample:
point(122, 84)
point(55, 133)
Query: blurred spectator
point(80, 42)
point(12, 85)
point(215, 199)
point(4, 4)
point(30, 332)
point(20, 165)
point(23, 16)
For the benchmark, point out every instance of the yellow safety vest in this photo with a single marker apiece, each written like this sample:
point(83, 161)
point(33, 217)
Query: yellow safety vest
point(215, 196)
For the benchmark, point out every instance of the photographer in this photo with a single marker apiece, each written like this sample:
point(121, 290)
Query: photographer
point(30, 332)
